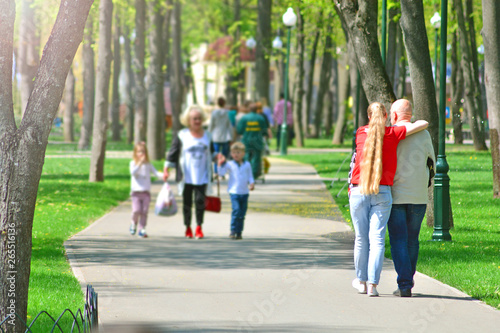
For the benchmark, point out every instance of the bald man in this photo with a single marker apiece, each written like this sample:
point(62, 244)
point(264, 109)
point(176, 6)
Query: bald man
point(409, 197)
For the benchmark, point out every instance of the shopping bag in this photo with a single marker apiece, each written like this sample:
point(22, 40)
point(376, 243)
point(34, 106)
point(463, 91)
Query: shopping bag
point(213, 204)
point(165, 203)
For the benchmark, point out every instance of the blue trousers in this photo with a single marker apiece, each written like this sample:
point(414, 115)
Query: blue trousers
point(404, 228)
point(239, 203)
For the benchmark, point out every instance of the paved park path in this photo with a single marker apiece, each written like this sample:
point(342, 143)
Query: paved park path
point(292, 271)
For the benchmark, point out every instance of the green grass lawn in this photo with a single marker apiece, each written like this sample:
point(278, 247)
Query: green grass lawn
point(66, 204)
point(471, 261)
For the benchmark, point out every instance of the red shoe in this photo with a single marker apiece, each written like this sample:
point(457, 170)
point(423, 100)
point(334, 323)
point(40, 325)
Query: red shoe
point(189, 232)
point(199, 233)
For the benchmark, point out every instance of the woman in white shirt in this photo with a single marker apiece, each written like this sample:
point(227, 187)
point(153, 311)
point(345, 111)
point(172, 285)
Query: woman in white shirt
point(190, 155)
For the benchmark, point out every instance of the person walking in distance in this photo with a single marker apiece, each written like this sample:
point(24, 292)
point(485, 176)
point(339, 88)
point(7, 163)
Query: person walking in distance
point(370, 196)
point(409, 197)
point(221, 129)
point(140, 183)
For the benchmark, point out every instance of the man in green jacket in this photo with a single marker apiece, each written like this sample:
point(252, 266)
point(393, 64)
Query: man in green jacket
point(253, 128)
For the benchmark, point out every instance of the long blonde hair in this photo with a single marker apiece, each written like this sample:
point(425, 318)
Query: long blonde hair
point(371, 165)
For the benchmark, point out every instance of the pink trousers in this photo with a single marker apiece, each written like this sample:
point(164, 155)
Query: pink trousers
point(140, 207)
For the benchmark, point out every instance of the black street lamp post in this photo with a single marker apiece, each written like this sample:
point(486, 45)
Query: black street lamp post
point(289, 19)
point(441, 180)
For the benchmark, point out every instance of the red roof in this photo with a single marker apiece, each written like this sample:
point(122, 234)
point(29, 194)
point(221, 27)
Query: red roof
point(219, 50)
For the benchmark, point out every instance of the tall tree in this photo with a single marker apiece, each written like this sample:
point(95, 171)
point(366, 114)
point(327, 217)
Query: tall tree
point(88, 85)
point(457, 85)
point(419, 61)
point(310, 80)
point(115, 91)
point(343, 99)
point(360, 18)
point(28, 54)
point(156, 119)
point(139, 71)
point(69, 108)
point(469, 81)
point(22, 150)
point(299, 82)
point(177, 73)
point(392, 34)
point(234, 71)
point(104, 57)
point(129, 84)
point(263, 48)
point(491, 41)
point(325, 76)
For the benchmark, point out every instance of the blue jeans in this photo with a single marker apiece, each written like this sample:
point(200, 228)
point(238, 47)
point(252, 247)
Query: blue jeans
point(404, 227)
point(239, 203)
point(369, 216)
point(221, 147)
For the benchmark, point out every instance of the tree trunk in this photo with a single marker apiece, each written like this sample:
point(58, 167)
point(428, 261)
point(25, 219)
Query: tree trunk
point(457, 86)
point(23, 150)
point(88, 86)
point(344, 93)
point(156, 119)
point(129, 85)
point(28, 55)
point(400, 81)
point(263, 48)
point(104, 57)
point(491, 41)
point(115, 101)
point(392, 33)
point(481, 110)
point(69, 108)
point(299, 82)
point(176, 87)
point(332, 102)
point(360, 18)
point(324, 78)
point(234, 72)
point(139, 71)
point(419, 62)
point(470, 87)
point(363, 103)
point(310, 83)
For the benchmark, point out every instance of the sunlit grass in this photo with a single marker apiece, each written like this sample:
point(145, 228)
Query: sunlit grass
point(66, 204)
point(471, 262)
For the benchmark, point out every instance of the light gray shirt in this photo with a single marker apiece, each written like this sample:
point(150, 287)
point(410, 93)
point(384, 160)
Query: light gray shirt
point(220, 126)
point(412, 174)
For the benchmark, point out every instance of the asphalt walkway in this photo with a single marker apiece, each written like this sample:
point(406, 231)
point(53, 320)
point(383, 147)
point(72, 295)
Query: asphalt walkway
point(292, 271)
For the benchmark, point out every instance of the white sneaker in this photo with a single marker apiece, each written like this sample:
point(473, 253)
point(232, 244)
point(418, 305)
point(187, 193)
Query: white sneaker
point(372, 290)
point(359, 286)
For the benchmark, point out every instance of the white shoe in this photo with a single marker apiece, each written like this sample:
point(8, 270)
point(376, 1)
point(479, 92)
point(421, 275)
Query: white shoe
point(372, 290)
point(359, 286)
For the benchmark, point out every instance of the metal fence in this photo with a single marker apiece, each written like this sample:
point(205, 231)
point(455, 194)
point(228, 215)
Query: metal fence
point(83, 321)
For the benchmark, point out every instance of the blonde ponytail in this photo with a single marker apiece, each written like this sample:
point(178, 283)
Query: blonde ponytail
point(371, 165)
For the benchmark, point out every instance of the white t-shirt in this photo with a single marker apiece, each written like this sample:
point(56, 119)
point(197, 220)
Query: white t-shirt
point(195, 150)
point(412, 174)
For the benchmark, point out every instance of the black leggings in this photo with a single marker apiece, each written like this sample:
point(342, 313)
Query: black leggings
point(199, 202)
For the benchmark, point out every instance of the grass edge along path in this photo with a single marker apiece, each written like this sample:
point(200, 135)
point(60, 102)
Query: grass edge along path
point(66, 204)
point(471, 261)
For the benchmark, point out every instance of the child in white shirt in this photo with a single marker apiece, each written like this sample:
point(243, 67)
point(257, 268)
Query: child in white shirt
point(239, 183)
point(141, 170)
